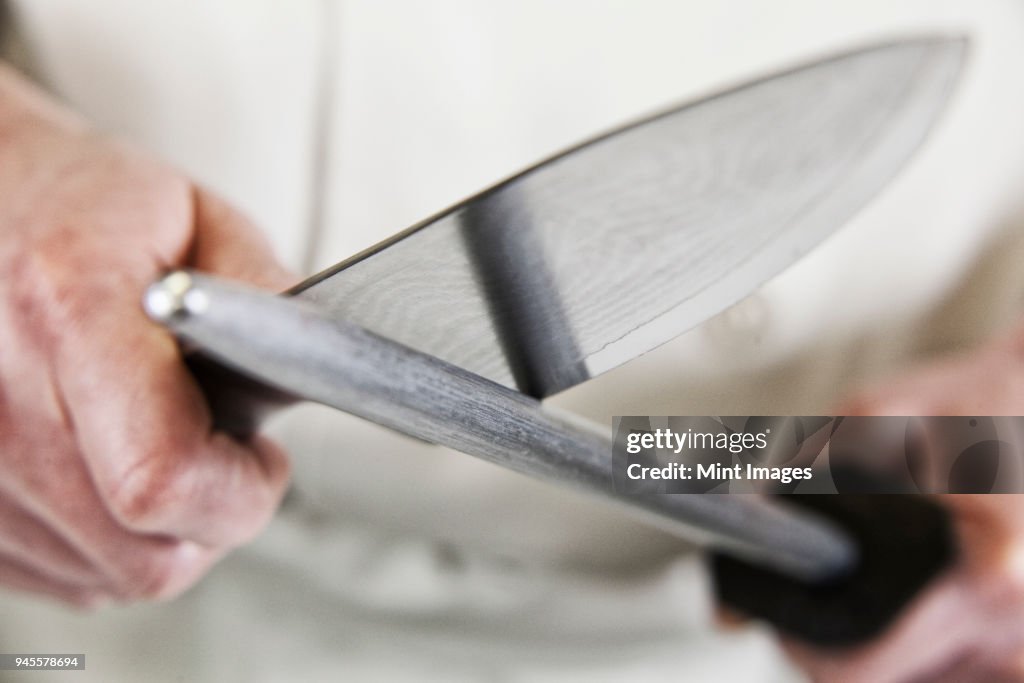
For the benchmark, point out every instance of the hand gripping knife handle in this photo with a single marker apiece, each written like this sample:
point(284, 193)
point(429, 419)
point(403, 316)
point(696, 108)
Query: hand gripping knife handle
point(904, 541)
point(831, 570)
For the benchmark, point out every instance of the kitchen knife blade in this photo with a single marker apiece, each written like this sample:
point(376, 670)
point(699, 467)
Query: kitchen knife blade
point(601, 253)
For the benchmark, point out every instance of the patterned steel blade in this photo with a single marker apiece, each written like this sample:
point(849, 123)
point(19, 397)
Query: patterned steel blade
point(599, 254)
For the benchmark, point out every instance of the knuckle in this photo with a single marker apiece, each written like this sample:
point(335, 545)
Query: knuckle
point(160, 574)
point(31, 274)
point(1003, 583)
point(276, 463)
point(864, 403)
point(41, 292)
point(143, 495)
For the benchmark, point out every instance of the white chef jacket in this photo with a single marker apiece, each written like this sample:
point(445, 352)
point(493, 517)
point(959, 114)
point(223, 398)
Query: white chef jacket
point(335, 124)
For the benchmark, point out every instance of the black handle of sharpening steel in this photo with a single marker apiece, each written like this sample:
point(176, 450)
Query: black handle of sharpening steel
point(906, 541)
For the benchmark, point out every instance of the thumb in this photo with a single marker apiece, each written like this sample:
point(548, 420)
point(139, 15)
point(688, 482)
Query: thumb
point(228, 244)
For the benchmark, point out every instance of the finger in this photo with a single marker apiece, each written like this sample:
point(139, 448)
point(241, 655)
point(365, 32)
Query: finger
point(729, 619)
point(17, 576)
point(916, 394)
point(930, 635)
point(972, 667)
point(1008, 667)
point(51, 515)
point(987, 381)
point(226, 243)
point(22, 535)
point(140, 421)
point(145, 431)
point(63, 498)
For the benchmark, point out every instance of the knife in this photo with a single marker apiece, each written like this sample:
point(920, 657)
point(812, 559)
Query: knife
point(455, 329)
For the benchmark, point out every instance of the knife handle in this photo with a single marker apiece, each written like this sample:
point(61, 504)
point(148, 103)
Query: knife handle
point(905, 542)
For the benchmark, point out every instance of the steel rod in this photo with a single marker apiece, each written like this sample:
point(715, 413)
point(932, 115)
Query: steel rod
point(288, 345)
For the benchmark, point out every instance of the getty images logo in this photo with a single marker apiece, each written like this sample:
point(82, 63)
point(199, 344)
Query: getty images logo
point(638, 441)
